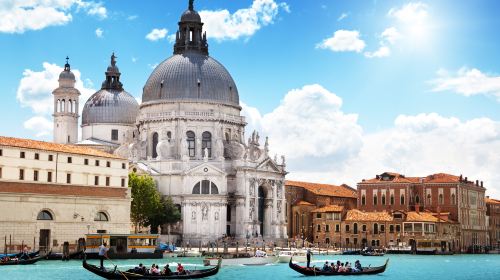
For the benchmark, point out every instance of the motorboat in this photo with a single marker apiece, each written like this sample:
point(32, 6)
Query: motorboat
point(285, 256)
point(260, 258)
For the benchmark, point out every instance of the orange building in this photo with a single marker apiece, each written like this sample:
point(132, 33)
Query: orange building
point(303, 198)
point(493, 212)
point(462, 201)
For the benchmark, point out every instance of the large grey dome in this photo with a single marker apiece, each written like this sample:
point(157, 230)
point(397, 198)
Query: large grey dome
point(110, 106)
point(191, 76)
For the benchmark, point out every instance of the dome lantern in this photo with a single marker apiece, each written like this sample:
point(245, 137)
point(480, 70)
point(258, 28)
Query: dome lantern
point(190, 35)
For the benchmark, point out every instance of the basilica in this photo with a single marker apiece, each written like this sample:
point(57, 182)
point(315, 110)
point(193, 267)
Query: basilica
point(189, 135)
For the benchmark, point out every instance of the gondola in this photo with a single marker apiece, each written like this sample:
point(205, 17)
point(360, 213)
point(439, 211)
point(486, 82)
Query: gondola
point(18, 255)
point(117, 274)
point(24, 262)
point(314, 271)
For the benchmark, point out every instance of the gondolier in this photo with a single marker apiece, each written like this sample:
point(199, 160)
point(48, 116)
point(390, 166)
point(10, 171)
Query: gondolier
point(103, 253)
point(308, 255)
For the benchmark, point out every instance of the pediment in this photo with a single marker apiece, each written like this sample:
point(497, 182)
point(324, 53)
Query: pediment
point(204, 169)
point(268, 165)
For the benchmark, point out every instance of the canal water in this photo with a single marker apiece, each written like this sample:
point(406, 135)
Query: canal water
point(406, 267)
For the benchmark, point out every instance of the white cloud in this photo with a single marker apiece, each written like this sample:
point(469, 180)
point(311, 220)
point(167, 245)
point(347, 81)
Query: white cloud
point(324, 144)
point(342, 16)
point(414, 12)
point(222, 25)
point(99, 32)
point(134, 59)
point(309, 123)
point(343, 41)
point(40, 125)
point(157, 34)
point(383, 51)
point(18, 16)
point(171, 38)
point(390, 35)
point(132, 17)
point(35, 92)
point(468, 82)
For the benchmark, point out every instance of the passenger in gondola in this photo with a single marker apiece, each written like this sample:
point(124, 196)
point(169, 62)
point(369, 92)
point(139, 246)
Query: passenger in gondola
point(347, 267)
point(25, 255)
point(139, 269)
point(332, 267)
point(180, 269)
point(155, 270)
point(341, 268)
point(357, 266)
point(326, 267)
point(166, 270)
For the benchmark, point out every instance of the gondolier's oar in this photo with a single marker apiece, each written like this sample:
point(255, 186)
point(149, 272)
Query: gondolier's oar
point(116, 267)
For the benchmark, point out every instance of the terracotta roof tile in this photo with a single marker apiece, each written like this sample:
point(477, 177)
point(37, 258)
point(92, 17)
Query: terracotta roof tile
point(53, 147)
point(329, 208)
point(356, 215)
point(491, 201)
point(304, 203)
point(325, 189)
point(420, 217)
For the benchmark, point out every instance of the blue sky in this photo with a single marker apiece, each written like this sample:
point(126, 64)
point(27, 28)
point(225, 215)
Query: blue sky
point(381, 74)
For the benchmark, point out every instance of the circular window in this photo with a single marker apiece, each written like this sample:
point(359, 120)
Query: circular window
point(205, 169)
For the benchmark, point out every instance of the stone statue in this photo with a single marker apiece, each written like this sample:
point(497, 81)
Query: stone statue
point(204, 212)
point(205, 154)
point(216, 216)
point(257, 137)
point(283, 160)
point(193, 216)
point(266, 146)
point(275, 158)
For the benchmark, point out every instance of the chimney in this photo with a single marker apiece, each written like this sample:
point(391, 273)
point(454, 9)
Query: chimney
point(482, 184)
point(376, 176)
point(477, 182)
point(488, 197)
point(466, 179)
point(461, 178)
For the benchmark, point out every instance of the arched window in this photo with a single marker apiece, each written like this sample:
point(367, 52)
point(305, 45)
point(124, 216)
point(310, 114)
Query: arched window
point(74, 106)
point(355, 228)
point(155, 144)
point(453, 199)
point(58, 105)
point(63, 106)
point(44, 215)
point(392, 199)
point(375, 228)
point(375, 200)
point(383, 199)
point(364, 228)
point(402, 199)
point(429, 199)
point(205, 187)
point(70, 106)
point(191, 142)
point(441, 199)
point(417, 199)
point(196, 188)
point(363, 200)
point(347, 228)
point(206, 142)
point(101, 217)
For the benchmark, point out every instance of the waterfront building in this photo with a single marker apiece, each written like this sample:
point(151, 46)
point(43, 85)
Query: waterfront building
point(188, 134)
point(493, 213)
point(355, 229)
point(52, 193)
point(305, 199)
point(454, 196)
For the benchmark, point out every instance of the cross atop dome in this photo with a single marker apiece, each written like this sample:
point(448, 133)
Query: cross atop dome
point(67, 67)
point(191, 5)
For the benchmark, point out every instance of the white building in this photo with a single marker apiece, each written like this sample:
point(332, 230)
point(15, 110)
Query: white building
point(189, 135)
point(51, 193)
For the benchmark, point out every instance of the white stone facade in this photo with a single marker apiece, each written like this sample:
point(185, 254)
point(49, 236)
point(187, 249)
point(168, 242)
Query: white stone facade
point(240, 170)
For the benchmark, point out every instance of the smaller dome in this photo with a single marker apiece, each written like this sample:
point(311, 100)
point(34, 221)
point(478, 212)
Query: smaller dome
point(110, 106)
point(190, 15)
point(67, 75)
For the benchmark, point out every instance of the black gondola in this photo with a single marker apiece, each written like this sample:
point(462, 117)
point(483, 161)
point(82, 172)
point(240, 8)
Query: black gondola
point(117, 274)
point(314, 271)
point(24, 262)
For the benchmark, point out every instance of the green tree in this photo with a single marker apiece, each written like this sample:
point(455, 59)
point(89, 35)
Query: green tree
point(149, 207)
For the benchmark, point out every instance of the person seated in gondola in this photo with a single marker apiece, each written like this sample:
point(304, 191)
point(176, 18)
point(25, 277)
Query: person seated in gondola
point(337, 267)
point(25, 255)
point(326, 267)
point(332, 267)
point(347, 267)
point(341, 268)
point(357, 266)
point(155, 270)
point(139, 269)
point(180, 269)
point(166, 270)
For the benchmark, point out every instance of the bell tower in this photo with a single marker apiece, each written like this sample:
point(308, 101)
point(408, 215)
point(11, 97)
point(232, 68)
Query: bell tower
point(66, 108)
point(190, 36)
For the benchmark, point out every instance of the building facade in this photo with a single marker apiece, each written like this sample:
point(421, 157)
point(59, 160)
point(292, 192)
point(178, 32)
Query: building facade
point(304, 199)
point(493, 213)
point(462, 200)
point(52, 193)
